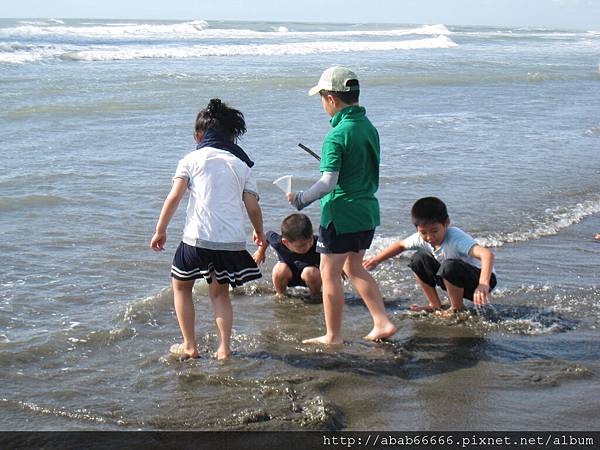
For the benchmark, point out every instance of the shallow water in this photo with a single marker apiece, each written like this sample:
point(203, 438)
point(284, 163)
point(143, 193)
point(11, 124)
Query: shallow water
point(500, 123)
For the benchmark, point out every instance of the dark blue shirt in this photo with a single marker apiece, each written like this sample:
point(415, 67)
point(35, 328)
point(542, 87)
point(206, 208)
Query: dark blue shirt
point(296, 261)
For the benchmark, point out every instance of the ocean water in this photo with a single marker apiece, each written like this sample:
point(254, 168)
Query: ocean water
point(501, 123)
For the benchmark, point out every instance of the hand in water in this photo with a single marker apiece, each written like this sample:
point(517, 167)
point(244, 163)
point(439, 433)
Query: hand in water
point(481, 296)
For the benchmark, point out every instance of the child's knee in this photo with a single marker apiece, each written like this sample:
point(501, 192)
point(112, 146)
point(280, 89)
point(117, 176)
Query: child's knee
point(281, 271)
point(419, 261)
point(311, 275)
point(182, 285)
point(353, 267)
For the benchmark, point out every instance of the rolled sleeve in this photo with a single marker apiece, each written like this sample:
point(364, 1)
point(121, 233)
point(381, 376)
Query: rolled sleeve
point(183, 171)
point(250, 186)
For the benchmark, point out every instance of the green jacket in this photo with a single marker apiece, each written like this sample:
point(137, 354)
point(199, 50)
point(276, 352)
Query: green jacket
point(352, 149)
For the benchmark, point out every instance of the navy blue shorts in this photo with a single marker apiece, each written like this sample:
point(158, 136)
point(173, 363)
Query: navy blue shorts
point(297, 268)
point(332, 242)
point(233, 267)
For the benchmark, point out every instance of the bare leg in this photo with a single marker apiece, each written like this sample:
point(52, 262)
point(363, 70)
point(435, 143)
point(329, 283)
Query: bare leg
point(184, 308)
point(333, 299)
point(312, 277)
point(455, 294)
point(281, 276)
point(219, 296)
point(431, 295)
point(369, 291)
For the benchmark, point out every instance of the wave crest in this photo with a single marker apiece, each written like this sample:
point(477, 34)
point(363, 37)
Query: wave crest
point(308, 48)
point(192, 28)
point(555, 220)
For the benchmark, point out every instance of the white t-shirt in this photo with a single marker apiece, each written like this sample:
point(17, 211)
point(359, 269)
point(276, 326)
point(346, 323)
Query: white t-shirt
point(456, 245)
point(215, 211)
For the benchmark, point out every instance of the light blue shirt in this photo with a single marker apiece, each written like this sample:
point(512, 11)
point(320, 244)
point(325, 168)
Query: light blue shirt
point(456, 245)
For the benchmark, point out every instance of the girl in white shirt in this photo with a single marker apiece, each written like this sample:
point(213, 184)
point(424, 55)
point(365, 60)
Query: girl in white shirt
point(219, 179)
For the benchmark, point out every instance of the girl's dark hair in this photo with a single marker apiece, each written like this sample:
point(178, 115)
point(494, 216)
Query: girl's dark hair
point(429, 210)
point(220, 117)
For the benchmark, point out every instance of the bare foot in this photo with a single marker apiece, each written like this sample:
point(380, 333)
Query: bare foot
point(379, 334)
point(597, 237)
point(428, 309)
point(183, 352)
point(222, 354)
point(324, 340)
point(450, 312)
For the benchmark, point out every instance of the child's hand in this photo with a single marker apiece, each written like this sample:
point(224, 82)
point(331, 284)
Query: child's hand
point(481, 296)
point(370, 263)
point(158, 241)
point(259, 256)
point(296, 200)
point(259, 238)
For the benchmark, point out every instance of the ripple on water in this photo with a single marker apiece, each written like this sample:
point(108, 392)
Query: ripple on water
point(30, 201)
point(543, 373)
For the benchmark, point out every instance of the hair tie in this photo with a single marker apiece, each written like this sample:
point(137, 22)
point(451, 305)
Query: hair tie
point(214, 105)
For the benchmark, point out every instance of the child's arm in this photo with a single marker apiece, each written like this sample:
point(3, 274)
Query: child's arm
point(255, 216)
point(166, 214)
point(323, 186)
point(395, 249)
point(481, 295)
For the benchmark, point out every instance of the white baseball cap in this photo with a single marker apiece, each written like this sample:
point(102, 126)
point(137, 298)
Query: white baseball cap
point(334, 79)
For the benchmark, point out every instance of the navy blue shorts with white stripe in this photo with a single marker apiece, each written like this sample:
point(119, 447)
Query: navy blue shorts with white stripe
point(233, 267)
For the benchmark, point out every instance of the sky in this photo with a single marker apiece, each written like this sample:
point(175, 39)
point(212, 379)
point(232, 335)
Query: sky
point(576, 14)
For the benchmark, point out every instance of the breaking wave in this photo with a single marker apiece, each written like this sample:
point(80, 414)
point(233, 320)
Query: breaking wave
point(38, 53)
point(111, 31)
point(193, 30)
point(554, 220)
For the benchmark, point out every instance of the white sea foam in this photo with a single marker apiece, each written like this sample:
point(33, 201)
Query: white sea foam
point(17, 53)
point(33, 22)
point(555, 220)
point(196, 29)
point(41, 22)
point(69, 42)
point(117, 30)
point(305, 48)
point(435, 30)
point(525, 34)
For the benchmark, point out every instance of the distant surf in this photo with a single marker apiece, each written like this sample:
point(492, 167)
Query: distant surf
point(196, 39)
